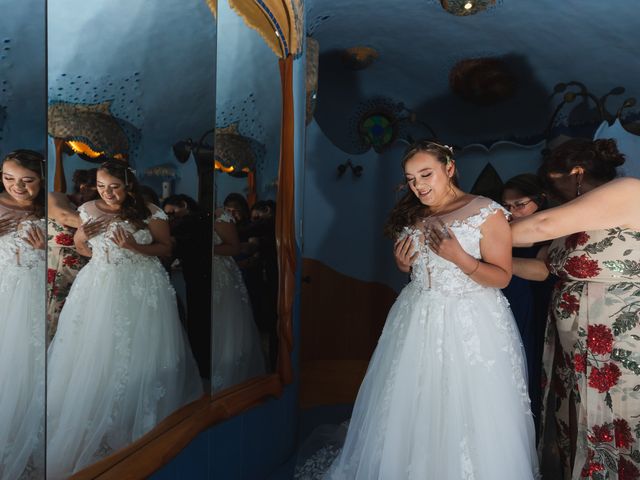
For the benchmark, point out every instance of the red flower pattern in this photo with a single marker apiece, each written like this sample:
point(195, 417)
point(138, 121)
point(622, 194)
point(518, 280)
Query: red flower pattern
point(51, 275)
point(604, 378)
point(64, 239)
point(569, 303)
point(579, 363)
point(624, 438)
point(70, 261)
point(601, 434)
point(575, 240)
point(590, 466)
point(599, 339)
point(582, 267)
point(627, 470)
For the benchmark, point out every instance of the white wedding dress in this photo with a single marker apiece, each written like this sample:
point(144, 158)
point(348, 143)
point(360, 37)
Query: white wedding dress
point(120, 361)
point(237, 352)
point(445, 395)
point(22, 353)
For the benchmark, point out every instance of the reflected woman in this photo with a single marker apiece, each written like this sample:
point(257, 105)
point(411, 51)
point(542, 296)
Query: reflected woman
point(63, 261)
point(22, 345)
point(237, 352)
point(119, 362)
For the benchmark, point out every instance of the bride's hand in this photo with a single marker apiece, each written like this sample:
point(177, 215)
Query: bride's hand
point(124, 239)
point(35, 238)
point(404, 253)
point(90, 229)
point(7, 225)
point(443, 242)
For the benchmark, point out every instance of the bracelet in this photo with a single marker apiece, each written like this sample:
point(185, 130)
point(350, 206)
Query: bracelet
point(474, 270)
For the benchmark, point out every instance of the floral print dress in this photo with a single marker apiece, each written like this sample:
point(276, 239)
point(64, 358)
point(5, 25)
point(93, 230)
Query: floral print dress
point(592, 353)
point(64, 263)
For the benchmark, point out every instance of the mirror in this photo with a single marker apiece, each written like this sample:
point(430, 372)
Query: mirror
point(247, 148)
point(22, 238)
point(129, 224)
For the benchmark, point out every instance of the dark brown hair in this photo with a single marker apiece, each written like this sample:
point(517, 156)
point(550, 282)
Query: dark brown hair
point(599, 158)
point(33, 161)
point(408, 209)
point(133, 209)
point(530, 185)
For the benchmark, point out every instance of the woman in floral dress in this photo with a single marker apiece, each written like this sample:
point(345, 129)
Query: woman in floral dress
point(63, 260)
point(592, 345)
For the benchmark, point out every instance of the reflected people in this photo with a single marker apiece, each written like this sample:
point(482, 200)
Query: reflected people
point(237, 353)
point(63, 261)
point(191, 237)
point(120, 362)
point(22, 264)
point(259, 267)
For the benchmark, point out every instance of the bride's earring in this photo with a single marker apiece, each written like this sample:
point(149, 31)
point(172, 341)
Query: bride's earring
point(579, 187)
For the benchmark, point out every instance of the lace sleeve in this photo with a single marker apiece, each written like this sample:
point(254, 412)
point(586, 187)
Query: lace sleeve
point(156, 214)
point(226, 217)
point(488, 209)
point(84, 215)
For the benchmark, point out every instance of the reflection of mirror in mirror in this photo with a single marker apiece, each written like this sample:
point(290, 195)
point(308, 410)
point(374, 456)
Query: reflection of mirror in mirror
point(125, 84)
point(248, 111)
point(22, 238)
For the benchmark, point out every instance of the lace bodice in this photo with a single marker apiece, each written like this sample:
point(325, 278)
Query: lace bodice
point(430, 271)
point(103, 249)
point(14, 249)
point(225, 217)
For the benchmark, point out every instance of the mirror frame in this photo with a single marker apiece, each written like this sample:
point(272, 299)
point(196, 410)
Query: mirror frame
point(155, 449)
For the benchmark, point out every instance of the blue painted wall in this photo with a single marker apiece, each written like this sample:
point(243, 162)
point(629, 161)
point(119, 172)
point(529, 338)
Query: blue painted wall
point(155, 63)
point(252, 445)
point(23, 90)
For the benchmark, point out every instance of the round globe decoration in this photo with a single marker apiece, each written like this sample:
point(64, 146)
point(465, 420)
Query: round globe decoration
point(378, 131)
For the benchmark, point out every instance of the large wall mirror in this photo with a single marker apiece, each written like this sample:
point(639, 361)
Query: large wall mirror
point(177, 94)
point(247, 148)
point(129, 227)
point(22, 238)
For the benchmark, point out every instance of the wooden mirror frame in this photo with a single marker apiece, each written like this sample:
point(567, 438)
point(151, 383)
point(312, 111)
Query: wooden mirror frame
point(155, 449)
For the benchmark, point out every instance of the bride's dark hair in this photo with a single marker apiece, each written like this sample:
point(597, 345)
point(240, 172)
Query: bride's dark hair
point(133, 209)
point(33, 161)
point(408, 209)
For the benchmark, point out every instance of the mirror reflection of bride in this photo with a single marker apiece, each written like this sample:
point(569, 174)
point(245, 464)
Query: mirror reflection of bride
point(22, 337)
point(120, 361)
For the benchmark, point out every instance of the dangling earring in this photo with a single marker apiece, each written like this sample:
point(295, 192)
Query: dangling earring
point(579, 188)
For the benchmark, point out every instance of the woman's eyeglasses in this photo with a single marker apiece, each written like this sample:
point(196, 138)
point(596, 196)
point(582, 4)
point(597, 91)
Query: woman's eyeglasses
point(516, 205)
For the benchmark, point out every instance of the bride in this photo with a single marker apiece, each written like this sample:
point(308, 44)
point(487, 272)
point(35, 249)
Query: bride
point(445, 394)
point(119, 362)
point(22, 329)
point(237, 354)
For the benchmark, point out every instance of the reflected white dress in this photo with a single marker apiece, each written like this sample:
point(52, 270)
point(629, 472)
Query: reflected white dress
point(22, 353)
point(120, 361)
point(237, 351)
point(445, 395)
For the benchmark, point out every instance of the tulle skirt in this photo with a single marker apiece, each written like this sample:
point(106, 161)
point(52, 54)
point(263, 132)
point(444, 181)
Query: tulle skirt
point(118, 365)
point(445, 395)
point(237, 352)
point(22, 372)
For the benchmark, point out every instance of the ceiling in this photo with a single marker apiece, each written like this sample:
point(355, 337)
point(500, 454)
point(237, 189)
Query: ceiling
point(540, 43)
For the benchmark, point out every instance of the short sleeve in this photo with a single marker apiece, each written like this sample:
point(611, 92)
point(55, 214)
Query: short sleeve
point(226, 217)
point(156, 213)
point(84, 215)
point(487, 208)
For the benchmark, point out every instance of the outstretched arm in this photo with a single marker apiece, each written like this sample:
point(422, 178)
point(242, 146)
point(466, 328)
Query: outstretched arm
point(613, 204)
